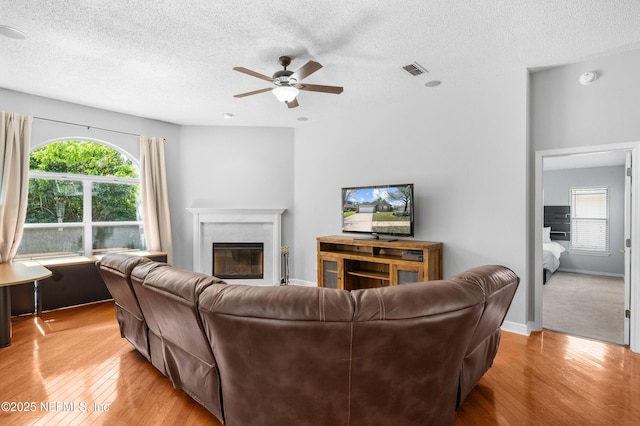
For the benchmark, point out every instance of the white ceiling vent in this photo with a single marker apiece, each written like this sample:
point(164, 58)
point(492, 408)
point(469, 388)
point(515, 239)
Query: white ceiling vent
point(415, 69)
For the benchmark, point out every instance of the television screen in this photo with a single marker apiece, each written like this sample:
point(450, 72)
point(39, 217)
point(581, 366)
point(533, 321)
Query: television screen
point(381, 209)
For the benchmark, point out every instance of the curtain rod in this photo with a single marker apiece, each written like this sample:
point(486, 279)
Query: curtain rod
point(88, 127)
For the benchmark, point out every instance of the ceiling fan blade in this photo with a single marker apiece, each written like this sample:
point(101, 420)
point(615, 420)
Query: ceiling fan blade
point(293, 103)
point(255, 92)
point(252, 73)
point(320, 88)
point(306, 70)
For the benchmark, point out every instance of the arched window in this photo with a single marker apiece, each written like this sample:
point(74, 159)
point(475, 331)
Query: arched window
point(84, 199)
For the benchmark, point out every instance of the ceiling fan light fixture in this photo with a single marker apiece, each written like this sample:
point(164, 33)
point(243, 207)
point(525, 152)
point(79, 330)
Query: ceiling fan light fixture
point(285, 94)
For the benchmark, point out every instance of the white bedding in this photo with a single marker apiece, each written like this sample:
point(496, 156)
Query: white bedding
point(551, 258)
point(555, 248)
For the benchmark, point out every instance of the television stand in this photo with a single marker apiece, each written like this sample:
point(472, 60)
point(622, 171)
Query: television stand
point(353, 263)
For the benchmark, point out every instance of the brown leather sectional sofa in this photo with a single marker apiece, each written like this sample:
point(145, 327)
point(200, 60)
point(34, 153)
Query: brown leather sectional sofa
point(293, 355)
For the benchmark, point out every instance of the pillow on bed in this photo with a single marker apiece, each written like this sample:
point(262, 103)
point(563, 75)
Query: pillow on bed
point(546, 235)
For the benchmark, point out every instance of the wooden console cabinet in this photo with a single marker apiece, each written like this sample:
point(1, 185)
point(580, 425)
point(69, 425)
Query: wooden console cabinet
point(351, 263)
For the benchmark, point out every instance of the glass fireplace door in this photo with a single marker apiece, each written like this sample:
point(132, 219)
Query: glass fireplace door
point(238, 260)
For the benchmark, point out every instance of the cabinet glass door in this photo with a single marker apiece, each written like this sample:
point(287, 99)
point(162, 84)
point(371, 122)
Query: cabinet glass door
point(330, 273)
point(407, 274)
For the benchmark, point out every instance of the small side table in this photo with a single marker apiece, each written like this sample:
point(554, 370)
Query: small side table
point(13, 273)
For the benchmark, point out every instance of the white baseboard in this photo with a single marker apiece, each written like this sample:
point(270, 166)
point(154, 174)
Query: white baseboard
point(516, 327)
point(581, 271)
point(303, 283)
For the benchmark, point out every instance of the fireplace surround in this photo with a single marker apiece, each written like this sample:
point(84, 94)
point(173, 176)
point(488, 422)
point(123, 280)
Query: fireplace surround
point(238, 226)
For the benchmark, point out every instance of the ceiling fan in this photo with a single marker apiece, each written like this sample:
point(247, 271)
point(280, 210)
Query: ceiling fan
point(288, 83)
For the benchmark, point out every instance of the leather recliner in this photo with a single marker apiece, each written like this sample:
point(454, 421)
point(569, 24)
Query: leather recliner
point(499, 286)
point(155, 338)
point(292, 355)
point(283, 353)
point(115, 270)
point(408, 344)
point(172, 295)
point(320, 356)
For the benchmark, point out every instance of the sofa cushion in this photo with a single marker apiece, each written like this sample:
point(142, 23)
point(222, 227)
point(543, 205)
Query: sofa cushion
point(296, 303)
point(283, 353)
point(408, 345)
point(175, 293)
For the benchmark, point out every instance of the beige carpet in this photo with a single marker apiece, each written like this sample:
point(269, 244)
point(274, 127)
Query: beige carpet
point(589, 306)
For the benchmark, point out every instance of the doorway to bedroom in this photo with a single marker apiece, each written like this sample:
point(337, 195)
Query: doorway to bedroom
point(585, 231)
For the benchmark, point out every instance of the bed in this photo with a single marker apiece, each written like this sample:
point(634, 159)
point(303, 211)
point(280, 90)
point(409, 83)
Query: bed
point(551, 252)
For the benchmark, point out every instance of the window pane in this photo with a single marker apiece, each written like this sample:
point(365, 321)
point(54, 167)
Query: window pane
point(115, 202)
point(81, 157)
point(50, 242)
point(117, 238)
point(589, 219)
point(589, 234)
point(54, 201)
point(590, 203)
point(76, 185)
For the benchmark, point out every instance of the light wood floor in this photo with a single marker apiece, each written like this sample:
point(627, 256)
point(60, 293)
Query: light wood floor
point(72, 367)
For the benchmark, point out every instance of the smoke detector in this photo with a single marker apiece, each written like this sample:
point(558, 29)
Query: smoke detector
point(588, 77)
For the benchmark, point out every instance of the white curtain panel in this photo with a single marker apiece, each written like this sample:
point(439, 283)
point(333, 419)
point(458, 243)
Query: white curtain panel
point(155, 199)
point(15, 141)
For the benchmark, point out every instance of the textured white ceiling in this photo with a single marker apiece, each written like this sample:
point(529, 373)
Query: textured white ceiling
point(173, 60)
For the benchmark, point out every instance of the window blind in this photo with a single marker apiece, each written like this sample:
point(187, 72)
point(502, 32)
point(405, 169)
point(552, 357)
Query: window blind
point(590, 219)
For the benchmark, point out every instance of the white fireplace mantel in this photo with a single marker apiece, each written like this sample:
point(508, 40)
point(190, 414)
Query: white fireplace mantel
point(238, 225)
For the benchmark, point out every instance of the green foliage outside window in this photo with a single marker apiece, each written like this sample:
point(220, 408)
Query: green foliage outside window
point(82, 158)
point(58, 200)
point(71, 170)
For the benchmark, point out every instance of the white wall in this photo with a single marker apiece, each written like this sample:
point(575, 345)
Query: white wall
point(464, 148)
point(97, 118)
point(566, 114)
point(228, 167)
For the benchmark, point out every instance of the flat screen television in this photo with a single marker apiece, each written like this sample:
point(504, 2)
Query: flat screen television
point(378, 210)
